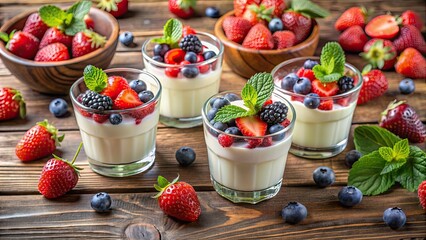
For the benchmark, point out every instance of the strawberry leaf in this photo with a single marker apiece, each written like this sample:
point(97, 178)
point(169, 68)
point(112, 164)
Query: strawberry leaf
point(53, 16)
point(309, 9)
point(95, 78)
point(230, 112)
point(80, 9)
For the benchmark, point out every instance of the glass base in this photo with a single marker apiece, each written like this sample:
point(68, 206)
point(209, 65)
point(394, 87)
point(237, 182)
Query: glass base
point(252, 197)
point(181, 122)
point(123, 170)
point(318, 153)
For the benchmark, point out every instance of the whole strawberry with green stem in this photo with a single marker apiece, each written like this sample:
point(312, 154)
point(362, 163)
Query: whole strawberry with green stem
point(85, 42)
point(12, 104)
point(39, 141)
point(178, 199)
point(182, 8)
point(59, 176)
point(22, 44)
point(241, 5)
point(354, 16)
point(353, 39)
point(258, 14)
point(54, 52)
point(421, 193)
point(374, 84)
point(236, 28)
point(380, 53)
point(410, 36)
point(411, 63)
point(116, 8)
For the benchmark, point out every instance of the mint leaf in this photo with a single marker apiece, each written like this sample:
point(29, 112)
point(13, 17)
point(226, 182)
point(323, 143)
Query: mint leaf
point(331, 77)
point(53, 16)
point(95, 78)
point(172, 32)
point(309, 8)
point(386, 153)
point(80, 9)
point(414, 171)
point(332, 63)
point(366, 175)
point(370, 138)
point(249, 96)
point(401, 150)
point(264, 85)
point(76, 26)
point(230, 112)
point(392, 166)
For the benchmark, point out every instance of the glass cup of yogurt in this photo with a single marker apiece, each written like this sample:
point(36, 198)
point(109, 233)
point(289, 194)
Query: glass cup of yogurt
point(184, 94)
point(250, 169)
point(119, 142)
point(323, 131)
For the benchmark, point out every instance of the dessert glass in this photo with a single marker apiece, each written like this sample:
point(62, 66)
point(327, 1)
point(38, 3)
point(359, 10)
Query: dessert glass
point(242, 174)
point(318, 133)
point(124, 149)
point(182, 97)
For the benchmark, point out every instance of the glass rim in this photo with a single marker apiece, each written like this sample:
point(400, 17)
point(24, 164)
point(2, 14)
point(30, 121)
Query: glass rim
point(111, 70)
point(146, 56)
point(286, 129)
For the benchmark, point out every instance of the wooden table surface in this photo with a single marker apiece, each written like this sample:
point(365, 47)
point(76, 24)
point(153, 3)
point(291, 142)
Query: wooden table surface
point(24, 213)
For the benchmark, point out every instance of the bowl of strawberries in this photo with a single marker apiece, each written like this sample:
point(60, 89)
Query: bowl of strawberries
point(48, 54)
point(260, 34)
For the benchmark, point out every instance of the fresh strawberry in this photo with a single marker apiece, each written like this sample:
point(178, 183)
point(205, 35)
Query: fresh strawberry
point(174, 56)
point(58, 176)
point(267, 102)
point(259, 37)
point(257, 14)
point(299, 24)
point(182, 8)
point(325, 89)
point(39, 141)
point(144, 111)
point(172, 72)
point(12, 104)
point(116, 8)
point(225, 140)
point(266, 142)
point(401, 119)
point(186, 30)
point(380, 53)
point(277, 5)
point(22, 44)
point(204, 67)
point(115, 84)
point(382, 26)
point(411, 64)
point(286, 122)
point(353, 39)
point(241, 5)
point(35, 26)
point(251, 126)
point(307, 73)
point(283, 39)
point(54, 35)
point(100, 118)
point(127, 98)
point(410, 36)
point(90, 23)
point(54, 52)
point(326, 105)
point(354, 16)
point(412, 18)
point(375, 85)
point(86, 42)
point(178, 199)
point(421, 192)
point(236, 28)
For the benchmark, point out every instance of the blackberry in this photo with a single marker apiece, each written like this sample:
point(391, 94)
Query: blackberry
point(96, 101)
point(345, 84)
point(191, 43)
point(274, 113)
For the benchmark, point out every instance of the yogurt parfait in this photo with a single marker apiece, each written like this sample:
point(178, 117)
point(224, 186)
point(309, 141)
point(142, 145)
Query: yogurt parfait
point(117, 111)
point(248, 136)
point(188, 65)
point(324, 92)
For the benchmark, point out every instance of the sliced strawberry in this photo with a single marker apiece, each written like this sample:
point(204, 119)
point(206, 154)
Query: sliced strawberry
point(116, 84)
point(203, 68)
point(127, 98)
point(100, 118)
point(297, 98)
point(267, 102)
point(343, 101)
point(326, 105)
point(84, 113)
point(186, 30)
point(286, 122)
point(174, 56)
point(143, 112)
point(172, 72)
point(266, 142)
point(251, 126)
point(383, 26)
point(325, 89)
point(252, 143)
point(307, 73)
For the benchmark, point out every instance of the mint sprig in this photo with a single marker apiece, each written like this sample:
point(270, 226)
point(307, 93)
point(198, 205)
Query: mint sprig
point(309, 9)
point(172, 32)
point(94, 78)
point(332, 65)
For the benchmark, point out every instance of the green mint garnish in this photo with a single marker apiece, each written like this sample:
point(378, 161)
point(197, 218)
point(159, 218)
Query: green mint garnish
point(309, 9)
point(370, 138)
point(95, 78)
point(80, 9)
point(172, 33)
point(414, 171)
point(332, 63)
point(257, 90)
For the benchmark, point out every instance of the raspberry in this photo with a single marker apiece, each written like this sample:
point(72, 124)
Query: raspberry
point(191, 43)
point(345, 84)
point(422, 194)
point(225, 140)
point(274, 113)
point(97, 101)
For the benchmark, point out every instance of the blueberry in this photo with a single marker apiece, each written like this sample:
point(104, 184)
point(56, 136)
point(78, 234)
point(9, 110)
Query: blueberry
point(185, 156)
point(101, 202)
point(211, 113)
point(324, 176)
point(311, 101)
point(275, 25)
point(115, 119)
point(158, 58)
point(220, 126)
point(351, 157)
point(220, 102)
point(231, 97)
point(126, 38)
point(233, 131)
point(212, 101)
point(276, 128)
point(231, 123)
point(394, 217)
point(190, 72)
point(208, 54)
point(349, 196)
point(309, 64)
point(58, 107)
point(288, 81)
point(406, 86)
point(161, 49)
point(212, 12)
point(191, 57)
point(294, 212)
point(145, 96)
point(302, 86)
point(137, 85)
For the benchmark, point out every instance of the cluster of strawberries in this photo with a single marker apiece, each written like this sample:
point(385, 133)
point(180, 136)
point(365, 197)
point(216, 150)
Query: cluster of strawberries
point(384, 37)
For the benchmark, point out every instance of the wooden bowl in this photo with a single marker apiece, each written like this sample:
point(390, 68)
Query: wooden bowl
point(246, 61)
point(57, 77)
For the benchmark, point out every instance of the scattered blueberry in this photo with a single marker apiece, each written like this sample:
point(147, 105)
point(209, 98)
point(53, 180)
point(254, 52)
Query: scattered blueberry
point(349, 196)
point(351, 157)
point(311, 101)
point(212, 12)
point(309, 64)
point(275, 25)
point(276, 128)
point(220, 126)
point(191, 57)
point(158, 58)
point(294, 212)
point(101, 202)
point(211, 113)
point(406, 86)
point(394, 217)
point(302, 86)
point(145, 96)
point(185, 156)
point(220, 102)
point(190, 72)
point(161, 49)
point(208, 54)
point(137, 85)
point(233, 131)
point(58, 107)
point(126, 38)
point(288, 81)
point(115, 119)
point(231, 97)
point(324, 176)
